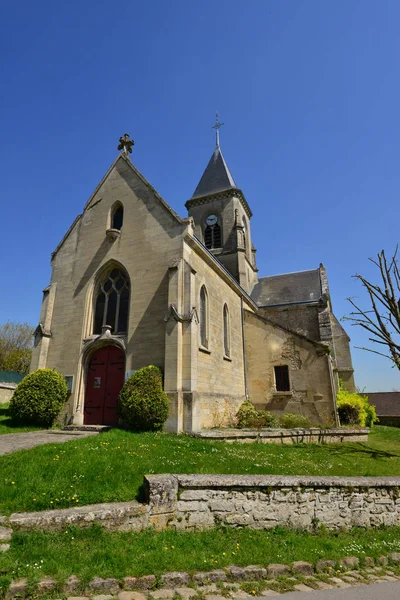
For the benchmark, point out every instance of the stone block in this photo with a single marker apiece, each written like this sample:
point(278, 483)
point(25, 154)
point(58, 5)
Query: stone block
point(394, 557)
point(383, 560)
point(4, 547)
point(254, 572)
point(186, 592)
point(350, 561)
point(147, 582)
point(46, 585)
point(131, 596)
point(324, 566)
point(77, 598)
point(276, 570)
point(17, 588)
point(71, 584)
point(369, 561)
point(236, 572)
point(5, 534)
point(102, 597)
point(302, 568)
point(163, 594)
point(175, 578)
point(107, 585)
point(216, 575)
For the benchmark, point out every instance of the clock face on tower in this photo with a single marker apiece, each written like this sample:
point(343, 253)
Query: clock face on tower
point(211, 220)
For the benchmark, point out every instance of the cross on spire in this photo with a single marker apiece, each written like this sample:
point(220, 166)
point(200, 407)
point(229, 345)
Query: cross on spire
point(125, 144)
point(217, 127)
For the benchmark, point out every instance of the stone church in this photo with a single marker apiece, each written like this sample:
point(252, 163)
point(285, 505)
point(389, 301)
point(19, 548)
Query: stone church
point(134, 284)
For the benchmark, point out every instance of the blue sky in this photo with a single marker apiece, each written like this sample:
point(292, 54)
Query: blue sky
point(309, 93)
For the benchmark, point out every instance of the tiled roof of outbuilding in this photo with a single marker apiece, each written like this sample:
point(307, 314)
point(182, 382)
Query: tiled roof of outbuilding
point(290, 288)
point(387, 404)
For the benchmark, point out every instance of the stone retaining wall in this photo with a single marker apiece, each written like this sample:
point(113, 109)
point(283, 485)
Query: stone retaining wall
point(313, 435)
point(266, 501)
point(187, 502)
point(6, 391)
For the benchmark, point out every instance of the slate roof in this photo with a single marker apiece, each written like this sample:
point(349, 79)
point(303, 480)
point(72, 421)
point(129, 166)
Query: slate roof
point(290, 288)
point(216, 177)
point(387, 404)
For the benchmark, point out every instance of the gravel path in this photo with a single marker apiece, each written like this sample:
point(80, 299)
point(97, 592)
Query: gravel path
point(11, 442)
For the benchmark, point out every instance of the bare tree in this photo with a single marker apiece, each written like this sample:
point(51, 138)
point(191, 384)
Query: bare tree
point(382, 321)
point(16, 341)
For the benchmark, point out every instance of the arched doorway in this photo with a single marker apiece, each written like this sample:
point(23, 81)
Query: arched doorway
point(105, 378)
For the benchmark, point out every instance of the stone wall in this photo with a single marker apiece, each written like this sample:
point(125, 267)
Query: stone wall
point(6, 392)
point(266, 501)
point(287, 436)
point(188, 502)
point(311, 386)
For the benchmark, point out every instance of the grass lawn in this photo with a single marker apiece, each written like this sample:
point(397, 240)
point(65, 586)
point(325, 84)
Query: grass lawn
point(7, 425)
point(93, 552)
point(110, 466)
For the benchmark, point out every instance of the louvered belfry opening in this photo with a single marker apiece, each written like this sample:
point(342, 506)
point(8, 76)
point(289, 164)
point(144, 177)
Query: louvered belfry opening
point(212, 236)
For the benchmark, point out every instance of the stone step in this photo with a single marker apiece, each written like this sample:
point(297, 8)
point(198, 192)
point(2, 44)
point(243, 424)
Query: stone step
point(99, 428)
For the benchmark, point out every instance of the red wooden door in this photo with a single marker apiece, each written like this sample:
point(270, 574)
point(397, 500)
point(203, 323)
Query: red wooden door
point(105, 378)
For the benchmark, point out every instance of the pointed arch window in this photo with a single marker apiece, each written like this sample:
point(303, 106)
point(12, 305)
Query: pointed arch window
point(112, 302)
point(203, 317)
point(227, 341)
point(117, 217)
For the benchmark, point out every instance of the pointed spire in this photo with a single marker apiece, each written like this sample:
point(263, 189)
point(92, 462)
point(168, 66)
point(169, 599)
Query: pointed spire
point(216, 177)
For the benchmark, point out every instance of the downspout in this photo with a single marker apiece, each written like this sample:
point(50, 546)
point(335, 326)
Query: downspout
point(244, 352)
point(337, 422)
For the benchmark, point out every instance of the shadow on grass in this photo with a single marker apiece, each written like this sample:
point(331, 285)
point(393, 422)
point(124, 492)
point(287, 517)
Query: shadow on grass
point(360, 448)
point(7, 421)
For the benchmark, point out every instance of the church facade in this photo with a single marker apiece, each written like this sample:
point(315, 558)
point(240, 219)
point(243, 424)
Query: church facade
point(134, 284)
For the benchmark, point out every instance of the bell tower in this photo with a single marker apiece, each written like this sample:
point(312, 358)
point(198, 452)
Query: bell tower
point(222, 218)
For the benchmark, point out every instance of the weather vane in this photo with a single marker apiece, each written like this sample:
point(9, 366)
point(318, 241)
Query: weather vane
point(125, 144)
point(217, 127)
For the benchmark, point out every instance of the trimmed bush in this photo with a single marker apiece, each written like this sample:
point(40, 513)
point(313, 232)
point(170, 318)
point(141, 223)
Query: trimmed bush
point(142, 402)
point(355, 409)
point(39, 398)
point(249, 416)
point(293, 421)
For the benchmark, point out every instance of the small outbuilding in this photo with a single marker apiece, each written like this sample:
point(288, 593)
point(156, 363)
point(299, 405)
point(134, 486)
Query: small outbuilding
point(387, 406)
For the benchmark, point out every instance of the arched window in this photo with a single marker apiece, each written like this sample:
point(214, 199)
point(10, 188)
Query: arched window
point(112, 302)
point(117, 217)
point(203, 317)
point(227, 344)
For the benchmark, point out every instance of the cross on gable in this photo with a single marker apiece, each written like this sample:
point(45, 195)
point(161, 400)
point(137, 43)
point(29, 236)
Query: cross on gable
point(125, 144)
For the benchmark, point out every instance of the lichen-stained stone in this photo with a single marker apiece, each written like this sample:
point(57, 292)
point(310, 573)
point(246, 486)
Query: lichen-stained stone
point(277, 570)
point(175, 578)
point(18, 588)
point(131, 596)
point(350, 561)
point(46, 585)
point(71, 584)
point(109, 584)
point(302, 568)
point(206, 576)
point(5, 534)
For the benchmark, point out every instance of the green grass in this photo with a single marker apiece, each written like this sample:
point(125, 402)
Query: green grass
point(93, 552)
point(8, 425)
point(110, 466)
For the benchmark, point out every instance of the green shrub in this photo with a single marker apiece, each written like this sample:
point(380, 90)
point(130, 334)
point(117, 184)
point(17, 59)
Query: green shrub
point(249, 416)
point(293, 421)
point(246, 414)
point(355, 409)
point(142, 402)
point(39, 397)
